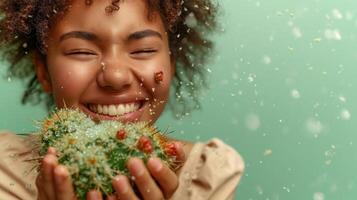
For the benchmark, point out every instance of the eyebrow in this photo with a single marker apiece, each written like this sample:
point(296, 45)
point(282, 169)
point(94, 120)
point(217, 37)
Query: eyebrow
point(79, 34)
point(91, 36)
point(145, 33)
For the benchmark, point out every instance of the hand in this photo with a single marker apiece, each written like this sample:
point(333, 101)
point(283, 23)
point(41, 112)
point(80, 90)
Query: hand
point(54, 181)
point(155, 181)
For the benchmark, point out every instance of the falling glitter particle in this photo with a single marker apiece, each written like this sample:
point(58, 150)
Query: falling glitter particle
point(314, 126)
point(337, 14)
point(295, 94)
point(191, 20)
point(330, 154)
point(252, 122)
point(319, 196)
point(317, 40)
point(260, 190)
point(333, 34)
point(268, 152)
point(266, 60)
point(286, 189)
point(251, 78)
point(342, 99)
point(345, 114)
point(297, 32)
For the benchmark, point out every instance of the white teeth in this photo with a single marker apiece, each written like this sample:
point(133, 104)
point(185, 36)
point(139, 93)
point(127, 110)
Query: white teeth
point(121, 108)
point(100, 108)
point(129, 106)
point(114, 110)
point(105, 109)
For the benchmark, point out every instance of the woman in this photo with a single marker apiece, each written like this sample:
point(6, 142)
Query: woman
point(116, 60)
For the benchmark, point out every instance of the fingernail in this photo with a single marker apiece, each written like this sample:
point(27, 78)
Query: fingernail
point(47, 160)
point(60, 174)
point(136, 167)
point(156, 164)
point(94, 195)
point(51, 150)
point(122, 185)
point(180, 151)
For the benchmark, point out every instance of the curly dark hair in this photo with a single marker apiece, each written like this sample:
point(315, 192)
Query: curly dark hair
point(25, 24)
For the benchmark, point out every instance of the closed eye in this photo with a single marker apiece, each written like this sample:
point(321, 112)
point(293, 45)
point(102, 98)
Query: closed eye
point(81, 53)
point(144, 51)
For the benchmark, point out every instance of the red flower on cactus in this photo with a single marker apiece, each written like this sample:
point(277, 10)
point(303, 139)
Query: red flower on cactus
point(121, 134)
point(144, 144)
point(170, 149)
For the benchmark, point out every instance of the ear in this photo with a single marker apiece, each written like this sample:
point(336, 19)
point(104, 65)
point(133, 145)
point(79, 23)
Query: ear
point(42, 72)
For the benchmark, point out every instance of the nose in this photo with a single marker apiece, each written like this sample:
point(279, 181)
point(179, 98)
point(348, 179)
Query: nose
point(115, 75)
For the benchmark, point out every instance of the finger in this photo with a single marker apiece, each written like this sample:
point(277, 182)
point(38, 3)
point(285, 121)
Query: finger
point(94, 195)
point(47, 178)
point(123, 188)
point(181, 156)
point(41, 193)
point(111, 197)
point(166, 178)
point(143, 180)
point(63, 184)
point(175, 149)
point(51, 150)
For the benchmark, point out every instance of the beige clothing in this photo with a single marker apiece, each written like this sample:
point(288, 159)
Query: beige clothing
point(212, 171)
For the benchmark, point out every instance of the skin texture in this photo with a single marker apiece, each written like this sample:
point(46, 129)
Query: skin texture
point(73, 73)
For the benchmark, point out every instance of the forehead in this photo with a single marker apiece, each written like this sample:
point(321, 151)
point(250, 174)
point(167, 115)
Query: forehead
point(133, 15)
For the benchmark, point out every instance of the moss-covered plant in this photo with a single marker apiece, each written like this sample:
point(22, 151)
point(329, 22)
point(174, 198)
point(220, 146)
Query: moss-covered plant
point(95, 152)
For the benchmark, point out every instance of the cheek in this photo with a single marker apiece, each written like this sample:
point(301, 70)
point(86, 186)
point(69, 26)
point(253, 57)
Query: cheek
point(69, 81)
point(156, 78)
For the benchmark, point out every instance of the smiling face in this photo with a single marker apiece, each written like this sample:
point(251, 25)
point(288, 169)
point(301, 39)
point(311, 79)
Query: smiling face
point(108, 65)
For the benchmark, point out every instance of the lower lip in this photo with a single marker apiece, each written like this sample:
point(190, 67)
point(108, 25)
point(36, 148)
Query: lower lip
point(126, 118)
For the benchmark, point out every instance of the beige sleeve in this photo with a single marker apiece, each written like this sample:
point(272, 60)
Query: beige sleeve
point(211, 172)
point(17, 180)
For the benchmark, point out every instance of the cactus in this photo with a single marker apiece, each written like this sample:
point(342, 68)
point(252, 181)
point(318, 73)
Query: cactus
point(95, 152)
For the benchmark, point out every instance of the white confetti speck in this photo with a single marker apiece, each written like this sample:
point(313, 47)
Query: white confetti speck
point(333, 34)
point(191, 20)
point(251, 78)
point(345, 114)
point(295, 94)
point(260, 190)
point(337, 14)
point(266, 60)
point(252, 122)
point(319, 196)
point(268, 152)
point(314, 126)
point(342, 98)
point(297, 32)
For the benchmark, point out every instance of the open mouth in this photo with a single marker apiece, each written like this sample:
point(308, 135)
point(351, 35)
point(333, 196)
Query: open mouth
point(115, 110)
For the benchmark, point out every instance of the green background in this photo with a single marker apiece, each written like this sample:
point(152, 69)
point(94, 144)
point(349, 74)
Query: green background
point(282, 91)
